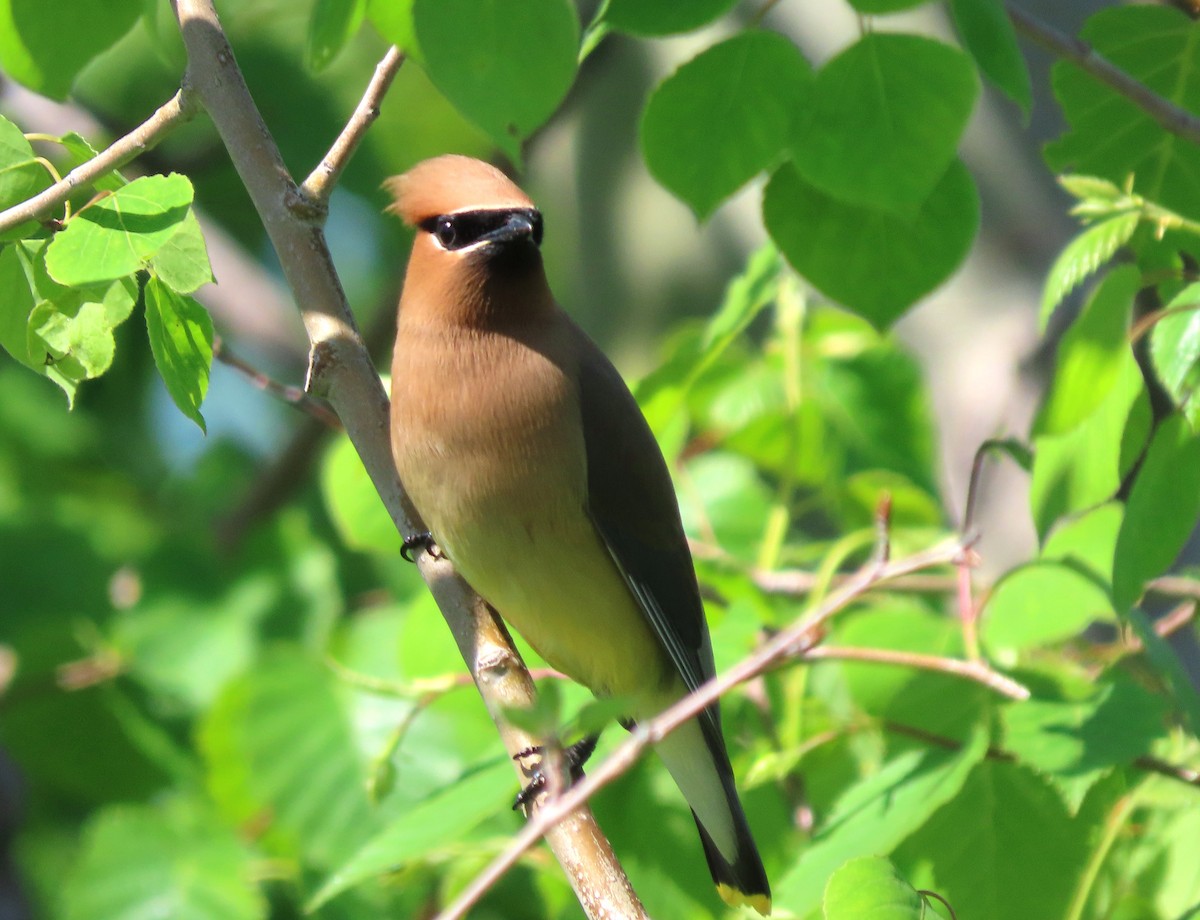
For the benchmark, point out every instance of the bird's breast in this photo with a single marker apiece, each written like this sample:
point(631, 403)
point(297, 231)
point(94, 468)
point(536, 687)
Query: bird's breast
point(489, 443)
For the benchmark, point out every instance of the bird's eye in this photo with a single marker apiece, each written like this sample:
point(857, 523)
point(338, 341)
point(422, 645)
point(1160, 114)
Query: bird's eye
point(446, 233)
point(537, 227)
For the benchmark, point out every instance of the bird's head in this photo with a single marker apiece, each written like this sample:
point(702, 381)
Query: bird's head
point(467, 213)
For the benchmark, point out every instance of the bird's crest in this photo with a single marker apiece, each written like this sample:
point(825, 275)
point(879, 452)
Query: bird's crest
point(451, 183)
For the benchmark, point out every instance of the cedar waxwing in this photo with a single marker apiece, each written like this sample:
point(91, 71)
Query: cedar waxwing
point(531, 464)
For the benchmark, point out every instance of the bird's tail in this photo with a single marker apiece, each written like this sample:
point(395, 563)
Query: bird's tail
point(696, 758)
point(742, 880)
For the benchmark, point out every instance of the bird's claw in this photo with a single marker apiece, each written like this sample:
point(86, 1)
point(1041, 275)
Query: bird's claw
point(530, 759)
point(423, 540)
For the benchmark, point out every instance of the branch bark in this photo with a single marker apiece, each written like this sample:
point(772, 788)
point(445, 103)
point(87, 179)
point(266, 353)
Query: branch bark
point(341, 372)
point(321, 181)
point(1174, 119)
point(178, 109)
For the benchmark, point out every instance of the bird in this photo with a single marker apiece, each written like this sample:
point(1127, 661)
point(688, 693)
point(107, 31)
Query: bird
point(535, 472)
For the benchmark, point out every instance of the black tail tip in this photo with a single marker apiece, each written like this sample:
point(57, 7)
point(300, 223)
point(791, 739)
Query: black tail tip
point(759, 900)
point(743, 882)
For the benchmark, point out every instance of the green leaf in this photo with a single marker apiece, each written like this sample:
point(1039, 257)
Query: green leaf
point(472, 47)
point(663, 17)
point(875, 262)
point(979, 852)
point(1175, 351)
point(181, 262)
point(728, 496)
point(989, 35)
point(1076, 741)
point(724, 116)
point(1084, 467)
point(1044, 602)
point(1166, 661)
point(438, 823)
point(394, 21)
point(875, 814)
point(181, 338)
point(175, 861)
point(1161, 511)
point(119, 234)
point(1088, 542)
point(44, 46)
point(64, 334)
point(870, 887)
point(884, 122)
point(80, 151)
point(16, 306)
point(279, 747)
point(1092, 355)
point(1082, 257)
point(358, 513)
point(330, 27)
point(662, 393)
point(1113, 137)
point(21, 176)
point(902, 694)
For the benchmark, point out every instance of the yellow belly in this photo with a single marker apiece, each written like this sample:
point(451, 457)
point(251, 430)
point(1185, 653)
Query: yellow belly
point(551, 579)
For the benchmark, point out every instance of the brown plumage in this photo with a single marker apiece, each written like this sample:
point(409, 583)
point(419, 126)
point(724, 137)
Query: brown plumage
point(537, 475)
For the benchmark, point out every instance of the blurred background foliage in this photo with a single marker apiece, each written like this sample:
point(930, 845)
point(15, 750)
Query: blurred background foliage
point(221, 693)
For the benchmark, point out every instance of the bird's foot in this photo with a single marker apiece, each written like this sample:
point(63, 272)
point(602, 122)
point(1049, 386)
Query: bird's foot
point(532, 763)
point(423, 540)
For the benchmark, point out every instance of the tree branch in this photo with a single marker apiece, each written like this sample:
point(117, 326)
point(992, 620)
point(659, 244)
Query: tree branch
point(1171, 117)
point(795, 641)
point(971, 670)
point(341, 372)
point(321, 181)
point(178, 109)
point(292, 395)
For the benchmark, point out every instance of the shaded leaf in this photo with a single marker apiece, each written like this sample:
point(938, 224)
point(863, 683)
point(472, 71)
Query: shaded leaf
point(332, 24)
point(875, 262)
point(989, 35)
point(1161, 511)
point(181, 338)
point(1111, 136)
point(876, 814)
point(44, 47)
point(1075, 741)
point(439, 822)
point(140, 862)
point(279, 749)
point(984, 859)
point(663, 17)
point(181, 262)
point(724, 116)
point(471, 47)
point(1175, 351)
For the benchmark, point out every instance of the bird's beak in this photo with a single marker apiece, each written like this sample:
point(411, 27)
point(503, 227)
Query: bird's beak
point(517, 226)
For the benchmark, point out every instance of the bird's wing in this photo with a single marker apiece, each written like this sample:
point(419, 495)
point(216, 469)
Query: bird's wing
point(632, 504)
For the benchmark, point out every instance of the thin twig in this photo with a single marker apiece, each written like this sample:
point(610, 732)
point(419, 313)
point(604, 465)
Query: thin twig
point(321, 181)
point(971, 670)
point(796, 640)
point(177, 110)
point(292, 395)
point(1171, 117)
